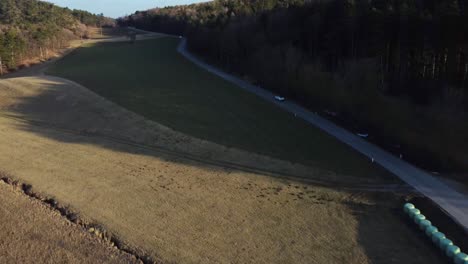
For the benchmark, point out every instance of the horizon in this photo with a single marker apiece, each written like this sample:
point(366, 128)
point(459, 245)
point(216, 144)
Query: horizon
point(118, 8)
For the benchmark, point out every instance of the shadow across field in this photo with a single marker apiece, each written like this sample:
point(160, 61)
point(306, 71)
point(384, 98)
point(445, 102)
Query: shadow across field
point(151, 79)
point(386, 234)
point(63, 111)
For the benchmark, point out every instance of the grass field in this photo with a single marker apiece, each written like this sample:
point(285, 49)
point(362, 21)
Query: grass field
point(176, 210)
point(152, 79)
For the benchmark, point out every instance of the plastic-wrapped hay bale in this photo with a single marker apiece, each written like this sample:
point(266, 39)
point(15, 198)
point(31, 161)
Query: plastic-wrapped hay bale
point(430, 230)
point(407, 207)
point(444, 243)
point(437, 236)
point(461, 258)
point(413, 212)
point(452, 250)
point(424, 224)
point(418, 218)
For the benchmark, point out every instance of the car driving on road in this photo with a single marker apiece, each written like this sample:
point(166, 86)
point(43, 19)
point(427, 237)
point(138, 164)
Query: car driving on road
point(279, 98)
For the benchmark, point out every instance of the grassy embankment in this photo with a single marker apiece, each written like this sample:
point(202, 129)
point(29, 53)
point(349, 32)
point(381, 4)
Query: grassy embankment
point(152, 79)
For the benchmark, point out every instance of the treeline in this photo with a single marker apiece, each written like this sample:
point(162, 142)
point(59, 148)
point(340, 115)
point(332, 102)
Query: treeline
point(397, 68)
point(90, 19)
point(31, 28)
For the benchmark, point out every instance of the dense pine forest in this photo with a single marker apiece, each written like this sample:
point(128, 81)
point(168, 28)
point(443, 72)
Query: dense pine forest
point(397, 69)
point(31, 29)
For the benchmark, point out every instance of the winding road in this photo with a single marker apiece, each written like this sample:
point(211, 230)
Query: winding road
point(454, 203)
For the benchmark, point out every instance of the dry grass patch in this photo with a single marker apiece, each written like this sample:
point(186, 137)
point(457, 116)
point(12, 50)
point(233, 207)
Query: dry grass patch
point(30, 232)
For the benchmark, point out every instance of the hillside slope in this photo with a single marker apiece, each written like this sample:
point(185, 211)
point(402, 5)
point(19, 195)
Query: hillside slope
point(34, 29)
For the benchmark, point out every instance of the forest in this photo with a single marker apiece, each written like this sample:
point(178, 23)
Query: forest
point(31, 29)
point(396, 69)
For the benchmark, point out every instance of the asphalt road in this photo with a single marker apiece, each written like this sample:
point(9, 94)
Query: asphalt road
point(453, 202)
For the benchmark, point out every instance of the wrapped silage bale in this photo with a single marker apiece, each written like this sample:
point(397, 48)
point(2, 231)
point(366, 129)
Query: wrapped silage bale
point(407, 207)
point(424, 224)
point(437, 236)
point(452, 250)
point(430, 230)
point(461, 258)
point(413, 212)
point(418, 218)
point(444, 243)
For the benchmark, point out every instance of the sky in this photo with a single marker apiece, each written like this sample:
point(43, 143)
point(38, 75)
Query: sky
point(118, 8)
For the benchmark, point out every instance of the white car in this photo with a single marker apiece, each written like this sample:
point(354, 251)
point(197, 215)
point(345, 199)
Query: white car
point(363, 135)
point(279, 98)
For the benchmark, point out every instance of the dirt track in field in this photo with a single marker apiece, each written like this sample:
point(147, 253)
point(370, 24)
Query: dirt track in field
point(31, 232)
point(128, 174)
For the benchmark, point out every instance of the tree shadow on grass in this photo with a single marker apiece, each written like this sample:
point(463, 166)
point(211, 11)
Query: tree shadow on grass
point(165, 87)
point(66, 112)
point(387, 236)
